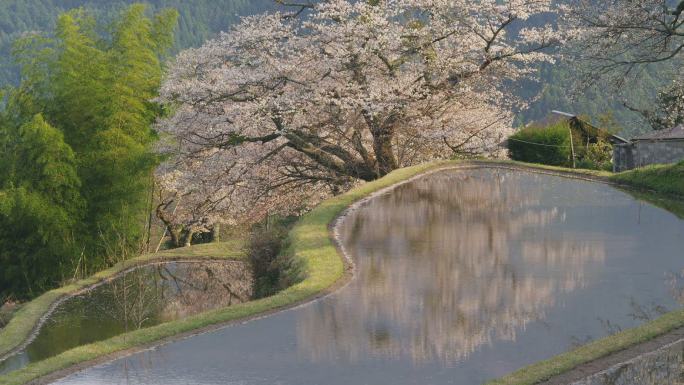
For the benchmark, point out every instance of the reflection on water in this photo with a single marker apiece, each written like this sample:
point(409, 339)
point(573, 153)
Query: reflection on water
point(664, 366)
point(461, 277)
point(446, 265)
point(143, 297)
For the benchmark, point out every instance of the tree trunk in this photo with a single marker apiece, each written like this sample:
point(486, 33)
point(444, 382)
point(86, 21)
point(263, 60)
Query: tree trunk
point(382, 131)
point(332, 157)
point(216, 232)
point(384, 151)
point(187, 237)
point(175, 236)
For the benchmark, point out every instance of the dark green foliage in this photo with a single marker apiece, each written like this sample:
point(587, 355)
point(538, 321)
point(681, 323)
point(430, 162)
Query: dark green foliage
point(40, 208)
point(273, 267)
point(551, 144)
point(76, 177)
point(597, 156)
point(545, 145)
point(199, 20)
point(556, 90)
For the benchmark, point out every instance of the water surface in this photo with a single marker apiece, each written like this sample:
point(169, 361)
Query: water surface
point(143, 297)
point(461, 277)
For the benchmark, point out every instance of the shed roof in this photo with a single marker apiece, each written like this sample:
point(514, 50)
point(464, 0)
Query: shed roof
point(673, 133)
point(553, 118)
point(587, 128)
point(561, 113)
point(615, 139)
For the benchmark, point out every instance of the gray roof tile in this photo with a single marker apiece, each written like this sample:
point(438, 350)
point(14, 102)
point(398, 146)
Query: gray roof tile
point(672, 133)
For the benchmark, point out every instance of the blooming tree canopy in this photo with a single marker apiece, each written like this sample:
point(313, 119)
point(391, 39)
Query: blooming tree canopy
point(670, 111)
point(617, 38)
point(350, 91)
point(623, 34)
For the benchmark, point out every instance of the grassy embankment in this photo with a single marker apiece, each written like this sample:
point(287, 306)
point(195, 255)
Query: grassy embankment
point(662, 179)
point(310, 240)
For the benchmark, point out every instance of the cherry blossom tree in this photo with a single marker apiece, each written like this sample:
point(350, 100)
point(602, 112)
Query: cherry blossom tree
point(310, 104)
point(191, 200)
point(198, 192)
point(668, 111)
point(624, 34)
point(619, 38)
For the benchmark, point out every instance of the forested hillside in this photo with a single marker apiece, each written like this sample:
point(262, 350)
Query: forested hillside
point(202, 19)
point(199, 20)
point(557, 91)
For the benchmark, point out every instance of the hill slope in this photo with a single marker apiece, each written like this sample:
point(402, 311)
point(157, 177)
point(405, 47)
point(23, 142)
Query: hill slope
point(199, 20)
point(202, 19)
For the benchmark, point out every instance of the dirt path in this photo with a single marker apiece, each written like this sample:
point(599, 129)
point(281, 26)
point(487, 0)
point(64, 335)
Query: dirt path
point(617, 358)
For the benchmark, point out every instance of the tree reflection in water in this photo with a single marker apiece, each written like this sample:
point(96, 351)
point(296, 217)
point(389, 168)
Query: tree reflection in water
point(461, 278)
point(169, 291)
point(445, 266)
point(143, 297)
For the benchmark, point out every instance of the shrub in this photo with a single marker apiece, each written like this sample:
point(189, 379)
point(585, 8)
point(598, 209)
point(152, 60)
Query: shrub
point(598, 156)
point(7, 309)
point(549, 145)
point(273, 267)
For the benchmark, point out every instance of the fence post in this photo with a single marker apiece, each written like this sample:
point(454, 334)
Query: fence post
point(572, 148)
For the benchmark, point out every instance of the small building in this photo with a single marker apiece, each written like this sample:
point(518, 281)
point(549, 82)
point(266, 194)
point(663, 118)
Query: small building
point(657, 147)
point(589, 134)
point(591, 146)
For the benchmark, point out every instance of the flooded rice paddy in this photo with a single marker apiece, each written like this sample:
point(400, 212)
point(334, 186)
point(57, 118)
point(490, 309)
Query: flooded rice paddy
point(143, 297)
point(461, 277)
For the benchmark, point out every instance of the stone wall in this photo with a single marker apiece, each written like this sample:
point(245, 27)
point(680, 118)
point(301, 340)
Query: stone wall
point(644, 152)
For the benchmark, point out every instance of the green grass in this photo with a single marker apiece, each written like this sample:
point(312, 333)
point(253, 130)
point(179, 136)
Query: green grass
point(6, 315)
point(231, 249)
point(309, 241)
point(663, 179)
